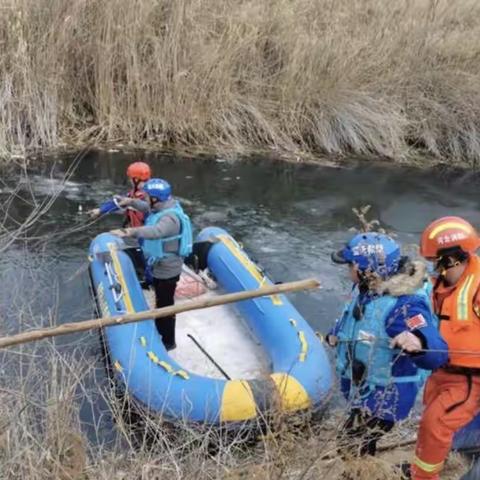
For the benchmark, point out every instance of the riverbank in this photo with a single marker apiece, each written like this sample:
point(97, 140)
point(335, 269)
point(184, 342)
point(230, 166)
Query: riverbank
point(299, 79)
point(42, 435)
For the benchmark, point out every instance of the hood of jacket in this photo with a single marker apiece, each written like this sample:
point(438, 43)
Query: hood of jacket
point(407, 282)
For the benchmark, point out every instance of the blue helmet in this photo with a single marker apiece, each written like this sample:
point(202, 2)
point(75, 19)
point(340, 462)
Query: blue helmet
point(158, 188)
point(375, 252)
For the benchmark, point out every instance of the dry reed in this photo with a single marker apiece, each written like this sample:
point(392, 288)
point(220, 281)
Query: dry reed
point(364, 77)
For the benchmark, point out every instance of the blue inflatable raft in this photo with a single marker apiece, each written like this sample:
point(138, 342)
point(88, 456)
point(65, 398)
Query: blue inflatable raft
point(299, 375)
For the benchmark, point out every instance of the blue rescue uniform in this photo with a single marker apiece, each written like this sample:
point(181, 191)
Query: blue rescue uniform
point(375, 378)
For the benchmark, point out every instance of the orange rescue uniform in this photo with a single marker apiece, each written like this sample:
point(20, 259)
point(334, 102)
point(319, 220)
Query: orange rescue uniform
point(452, 393)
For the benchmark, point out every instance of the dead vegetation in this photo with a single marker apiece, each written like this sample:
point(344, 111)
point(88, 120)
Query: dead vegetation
point(43, 434)
point(363, 77)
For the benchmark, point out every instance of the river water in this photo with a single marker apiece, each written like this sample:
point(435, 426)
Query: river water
point(289, 218)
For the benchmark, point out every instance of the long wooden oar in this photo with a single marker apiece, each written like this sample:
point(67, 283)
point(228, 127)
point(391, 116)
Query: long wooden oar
point(84, 325)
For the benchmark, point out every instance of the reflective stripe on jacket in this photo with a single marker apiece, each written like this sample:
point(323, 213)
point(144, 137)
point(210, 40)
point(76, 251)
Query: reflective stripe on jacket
point(459, 324)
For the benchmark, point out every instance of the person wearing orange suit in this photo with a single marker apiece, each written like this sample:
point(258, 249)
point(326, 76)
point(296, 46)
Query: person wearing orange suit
point(452, 393)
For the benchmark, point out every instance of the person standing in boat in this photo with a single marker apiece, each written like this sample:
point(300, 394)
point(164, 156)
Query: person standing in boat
point(386, 335)
point(138, 173)
point(166, 241)
point(452, 393)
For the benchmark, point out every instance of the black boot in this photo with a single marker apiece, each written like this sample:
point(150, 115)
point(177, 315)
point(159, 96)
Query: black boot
point(404, 470)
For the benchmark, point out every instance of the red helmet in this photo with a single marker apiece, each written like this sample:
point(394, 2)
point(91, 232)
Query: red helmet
point(140, 171)
point(448, 233)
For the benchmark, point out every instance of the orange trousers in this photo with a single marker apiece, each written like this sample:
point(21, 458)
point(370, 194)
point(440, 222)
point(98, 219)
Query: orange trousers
point(449, 404)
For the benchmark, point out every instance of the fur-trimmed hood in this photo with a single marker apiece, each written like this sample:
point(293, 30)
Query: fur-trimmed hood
point(407, 282)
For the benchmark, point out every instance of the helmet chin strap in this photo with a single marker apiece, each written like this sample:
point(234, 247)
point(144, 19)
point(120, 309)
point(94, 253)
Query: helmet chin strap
point(136, 182)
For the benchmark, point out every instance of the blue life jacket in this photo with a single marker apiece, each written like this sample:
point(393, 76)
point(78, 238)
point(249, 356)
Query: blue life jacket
point(364, 346)
point(153, 249)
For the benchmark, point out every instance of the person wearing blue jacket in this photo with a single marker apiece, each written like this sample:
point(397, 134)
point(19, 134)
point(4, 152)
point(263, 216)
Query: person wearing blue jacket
point(385, 340)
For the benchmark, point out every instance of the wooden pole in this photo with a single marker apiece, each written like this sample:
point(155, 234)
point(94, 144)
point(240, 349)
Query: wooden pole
point(66, 328)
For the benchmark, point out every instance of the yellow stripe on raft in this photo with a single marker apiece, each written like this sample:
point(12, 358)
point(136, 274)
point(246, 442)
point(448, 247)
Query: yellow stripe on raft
point(292, 394)
point(167, 367)
point(152, 357)
point(118, 270)
point(237, 402)
point(304, 344)
point(248, 264)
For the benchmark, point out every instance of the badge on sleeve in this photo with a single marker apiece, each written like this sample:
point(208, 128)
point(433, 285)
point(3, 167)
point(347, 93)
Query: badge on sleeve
point(418, 321)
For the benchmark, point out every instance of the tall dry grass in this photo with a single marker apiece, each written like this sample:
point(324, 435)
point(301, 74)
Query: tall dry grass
point(42, 436)
point(366, 77)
